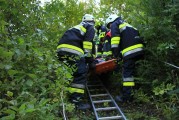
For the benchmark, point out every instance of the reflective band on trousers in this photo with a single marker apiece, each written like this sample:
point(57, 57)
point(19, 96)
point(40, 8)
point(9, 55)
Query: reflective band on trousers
point(77, 85)
point(129, 79)
point(131, 48)
point(128, 84)
point(77, 90)
point(81, 29)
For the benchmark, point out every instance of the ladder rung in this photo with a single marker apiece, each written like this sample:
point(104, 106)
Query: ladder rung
point(102, 101)
point(110, 118)
point(99, 95)
point(106, 108)
point(91, 90)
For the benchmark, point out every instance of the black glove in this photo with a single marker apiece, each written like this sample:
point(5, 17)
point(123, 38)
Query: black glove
point(92, 65)
point(89, 58)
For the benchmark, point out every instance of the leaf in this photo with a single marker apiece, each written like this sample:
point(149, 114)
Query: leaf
point(7, 67)
point(29, 83)
point(12, 72)
point(9, 93)
point(30, 110)
point(22, 107)
point(43, 101)
point(9, 111)
point(21, 41)
point(9, 117)
point(32, 76)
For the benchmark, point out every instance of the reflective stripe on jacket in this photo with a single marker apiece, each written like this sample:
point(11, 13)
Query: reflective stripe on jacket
point(78, 39)
point(126, 37)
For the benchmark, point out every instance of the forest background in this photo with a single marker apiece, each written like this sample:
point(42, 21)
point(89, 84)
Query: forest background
point(33, 82)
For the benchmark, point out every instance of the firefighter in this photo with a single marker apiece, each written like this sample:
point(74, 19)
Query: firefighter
point(125, 39)
point(75, 47)
point(107, 52)
point(100, 31)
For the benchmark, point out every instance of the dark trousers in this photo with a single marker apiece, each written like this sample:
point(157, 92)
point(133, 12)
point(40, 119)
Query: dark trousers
point(80, 70)
point(128, 68)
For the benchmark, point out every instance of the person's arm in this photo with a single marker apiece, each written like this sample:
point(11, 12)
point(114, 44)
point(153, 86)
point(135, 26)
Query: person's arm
point(115, 39)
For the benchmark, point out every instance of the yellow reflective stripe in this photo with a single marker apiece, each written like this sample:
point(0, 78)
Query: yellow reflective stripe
point(77, 90)
point(87, 45)
point(99, 53)
point(70, 47)
point(106, 41)
point(105, 53)
point(102, 34)
point(131, 48)
point(83, 29)
point(128, 84)
point(109, 52)
point(115, 40)
point(123, 25)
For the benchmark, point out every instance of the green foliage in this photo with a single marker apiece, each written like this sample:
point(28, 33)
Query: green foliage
point(33, 82)
point(162, 89)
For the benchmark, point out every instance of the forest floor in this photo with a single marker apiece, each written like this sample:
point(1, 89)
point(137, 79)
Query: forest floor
point(131, 110)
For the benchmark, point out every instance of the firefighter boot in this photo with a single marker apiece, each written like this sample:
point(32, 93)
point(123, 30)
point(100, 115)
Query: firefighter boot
point(76, 99)
point(126, 95)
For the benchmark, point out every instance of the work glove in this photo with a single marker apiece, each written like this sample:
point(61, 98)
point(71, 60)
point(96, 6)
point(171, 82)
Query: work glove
point(92, 65)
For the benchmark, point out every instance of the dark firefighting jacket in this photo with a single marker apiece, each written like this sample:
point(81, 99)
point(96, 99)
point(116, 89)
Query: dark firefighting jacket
point(126, 37)
point(101, 31)
point(107, 44)
point(78, 39)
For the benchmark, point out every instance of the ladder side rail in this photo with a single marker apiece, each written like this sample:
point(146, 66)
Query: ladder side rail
point(116, 105)
point(94, 109)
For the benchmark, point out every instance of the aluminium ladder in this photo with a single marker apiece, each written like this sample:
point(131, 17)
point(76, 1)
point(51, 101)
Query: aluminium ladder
point(104, 106)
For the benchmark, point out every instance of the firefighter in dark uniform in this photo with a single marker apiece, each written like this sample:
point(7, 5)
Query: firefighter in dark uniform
point(107, 52)
point(101, 31)
point(75, 47)
point(126, 40)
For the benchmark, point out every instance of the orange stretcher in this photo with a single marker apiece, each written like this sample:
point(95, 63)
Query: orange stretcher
point(105, 66)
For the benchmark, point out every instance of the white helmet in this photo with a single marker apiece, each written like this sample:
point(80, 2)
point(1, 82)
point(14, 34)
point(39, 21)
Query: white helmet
point(88, 18)
point(110, 19)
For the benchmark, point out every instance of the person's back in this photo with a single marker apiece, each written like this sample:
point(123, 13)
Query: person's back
point(78, 39)
point(130, 42)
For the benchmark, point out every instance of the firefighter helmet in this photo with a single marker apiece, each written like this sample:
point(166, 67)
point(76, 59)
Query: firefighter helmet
point(88, 18)
point(111, 19)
